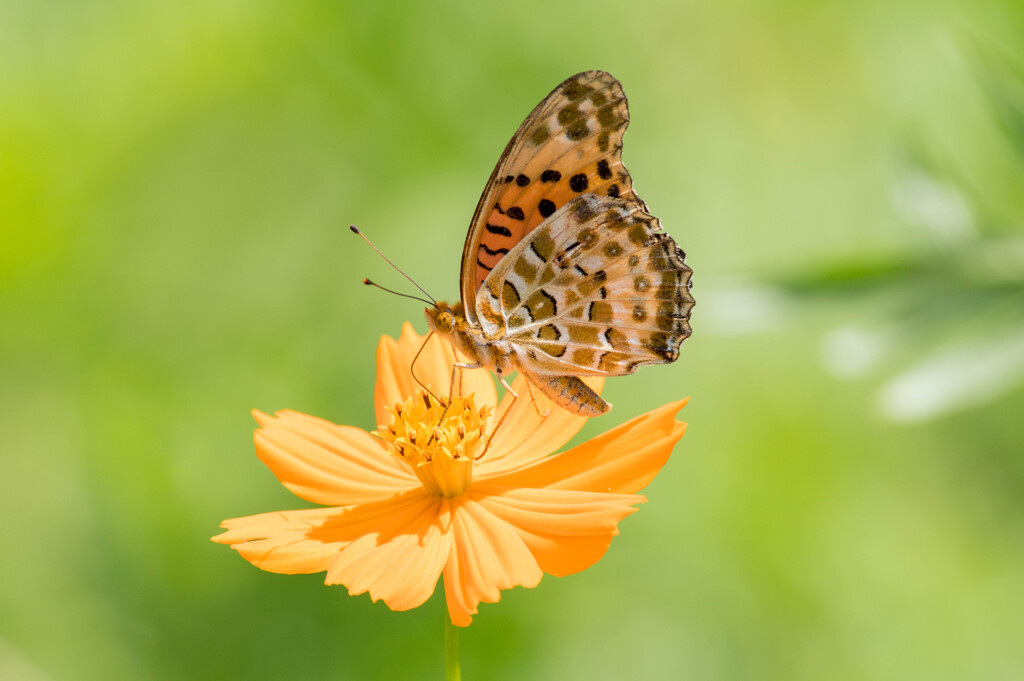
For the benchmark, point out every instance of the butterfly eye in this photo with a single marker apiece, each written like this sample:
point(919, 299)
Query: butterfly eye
point(443, 322)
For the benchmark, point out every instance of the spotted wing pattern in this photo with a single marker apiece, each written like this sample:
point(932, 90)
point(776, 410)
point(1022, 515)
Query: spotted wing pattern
point(597, 289)
point(571, 144)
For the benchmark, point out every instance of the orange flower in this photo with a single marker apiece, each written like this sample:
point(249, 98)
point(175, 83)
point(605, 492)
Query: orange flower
point(488, 510)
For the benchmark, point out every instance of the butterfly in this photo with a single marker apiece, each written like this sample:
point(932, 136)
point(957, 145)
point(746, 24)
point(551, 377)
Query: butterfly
point(564, 272)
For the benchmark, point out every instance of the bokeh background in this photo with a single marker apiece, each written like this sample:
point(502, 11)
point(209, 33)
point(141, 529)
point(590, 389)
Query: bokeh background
point(176, 182)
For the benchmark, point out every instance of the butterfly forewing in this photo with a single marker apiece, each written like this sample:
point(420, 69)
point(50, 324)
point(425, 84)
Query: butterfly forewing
point(596, 289)
point(564, 272)
point(570, 145)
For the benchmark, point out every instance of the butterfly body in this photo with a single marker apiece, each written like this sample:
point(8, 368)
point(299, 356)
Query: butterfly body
point(501, 357)
point(449, 321)
point(564, 272)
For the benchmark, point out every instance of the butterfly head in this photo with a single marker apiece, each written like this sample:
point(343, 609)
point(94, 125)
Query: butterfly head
point(445, 318)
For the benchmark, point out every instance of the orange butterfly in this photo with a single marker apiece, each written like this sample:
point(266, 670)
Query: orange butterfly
point(564, 272)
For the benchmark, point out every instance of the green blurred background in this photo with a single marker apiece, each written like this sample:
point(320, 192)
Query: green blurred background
point(176, 182)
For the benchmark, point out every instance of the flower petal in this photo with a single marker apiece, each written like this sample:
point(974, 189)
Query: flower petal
point(566, 531)
point(488, 556)
point(285, 542)
point(534, 427)
point(395, 381)
point(327, 463)
point(313, 540)
point(623, 460)
point(400, 554)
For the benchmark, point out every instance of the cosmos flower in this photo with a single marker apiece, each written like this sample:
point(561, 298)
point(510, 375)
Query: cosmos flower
point(469, 492)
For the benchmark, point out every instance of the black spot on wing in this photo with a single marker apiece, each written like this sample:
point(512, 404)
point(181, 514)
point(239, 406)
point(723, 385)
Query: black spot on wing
point(568, 114)
point(498, 229)
point(577, 130)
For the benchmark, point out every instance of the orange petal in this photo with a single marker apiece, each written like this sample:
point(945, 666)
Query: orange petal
point(400, 560)
point(293, 542)
point(566, 531)
point(488, 556)
point(287, 542)
point(327, 463)
point(623, 460)
point(395, 382)
point(535, 427)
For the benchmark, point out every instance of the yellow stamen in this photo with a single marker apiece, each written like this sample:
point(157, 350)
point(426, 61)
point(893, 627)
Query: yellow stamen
point(439, 443)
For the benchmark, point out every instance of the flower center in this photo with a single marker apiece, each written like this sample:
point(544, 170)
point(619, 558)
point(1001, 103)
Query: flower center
point(438, 442)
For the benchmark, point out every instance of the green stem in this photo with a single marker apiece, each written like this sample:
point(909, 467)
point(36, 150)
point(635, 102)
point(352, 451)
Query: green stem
point(451, 649)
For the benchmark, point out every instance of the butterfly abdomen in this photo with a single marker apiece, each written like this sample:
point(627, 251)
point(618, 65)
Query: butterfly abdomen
point(571, 393)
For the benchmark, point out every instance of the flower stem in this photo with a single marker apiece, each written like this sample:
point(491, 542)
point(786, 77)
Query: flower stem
point(451, 649)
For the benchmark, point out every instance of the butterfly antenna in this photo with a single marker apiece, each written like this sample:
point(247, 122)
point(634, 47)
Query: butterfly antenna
point(369, 283)
point(403, 295)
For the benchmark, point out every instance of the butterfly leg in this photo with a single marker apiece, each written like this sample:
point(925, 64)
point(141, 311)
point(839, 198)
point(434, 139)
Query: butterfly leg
point(459, 366)
point(501, 379)
point(460, 381)
point(508, 411)
point(533, 397)
point(497, 427)
point(456, 367)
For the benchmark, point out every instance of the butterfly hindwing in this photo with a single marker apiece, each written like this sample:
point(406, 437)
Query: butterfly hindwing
point(570, 145)
point(597, 289)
